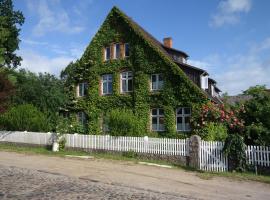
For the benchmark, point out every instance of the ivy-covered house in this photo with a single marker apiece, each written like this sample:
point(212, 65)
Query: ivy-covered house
point(126, 67)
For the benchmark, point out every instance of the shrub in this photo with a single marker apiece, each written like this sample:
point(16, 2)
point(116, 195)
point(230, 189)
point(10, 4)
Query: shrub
point(122, 122)
point(213, 132)
point(234, 148)
point(24, 118)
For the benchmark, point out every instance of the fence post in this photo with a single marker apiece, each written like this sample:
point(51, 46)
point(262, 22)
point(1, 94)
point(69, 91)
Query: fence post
point(194, 151)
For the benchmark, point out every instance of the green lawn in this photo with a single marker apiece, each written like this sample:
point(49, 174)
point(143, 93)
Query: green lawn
point(132, 157)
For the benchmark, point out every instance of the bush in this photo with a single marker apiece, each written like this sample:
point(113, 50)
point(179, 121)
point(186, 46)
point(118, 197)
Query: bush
point(234, 148)
point(123, 122)
point(213, 132)
point(24, 118)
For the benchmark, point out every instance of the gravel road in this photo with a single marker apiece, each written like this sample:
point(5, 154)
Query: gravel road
point(46, 177)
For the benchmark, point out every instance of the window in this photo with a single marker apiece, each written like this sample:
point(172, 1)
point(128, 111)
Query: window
point(82, 118)
point(126, 49)
point(183, 119)
point(126, 82)
point(204, 82)
point(107, 54)
point(107, 84)
point(116, 51)
point(82, 89)
point(156, 82)
point(157, 119)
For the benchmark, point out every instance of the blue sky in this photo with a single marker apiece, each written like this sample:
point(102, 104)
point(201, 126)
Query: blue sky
point(228, 38)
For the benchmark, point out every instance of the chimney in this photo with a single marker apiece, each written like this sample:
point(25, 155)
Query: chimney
point(167, 42)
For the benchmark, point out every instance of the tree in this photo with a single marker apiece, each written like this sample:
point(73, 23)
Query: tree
point(43, 90)
point(6, 90)
point(9, 34)
point(256, 116)
point(24, 118)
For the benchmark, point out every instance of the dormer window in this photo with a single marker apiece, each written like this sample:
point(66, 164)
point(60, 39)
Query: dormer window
point(126, 46)
point(116, 51)
point(82, 89)
point(204, 82)
point(107, 54)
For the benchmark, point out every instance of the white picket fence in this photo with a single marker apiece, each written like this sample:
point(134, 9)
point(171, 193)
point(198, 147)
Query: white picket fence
point(136, 144)
point(212, 157)
point(26, 137)
point(104, 142)
point(258, 155)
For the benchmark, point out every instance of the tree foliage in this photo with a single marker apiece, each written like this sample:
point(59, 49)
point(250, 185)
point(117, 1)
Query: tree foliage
point(24, 118)
point(10, 20)
point(256, 116)
point(6, 91)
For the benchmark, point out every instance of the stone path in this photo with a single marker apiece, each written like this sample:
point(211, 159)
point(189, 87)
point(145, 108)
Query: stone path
point(20, 183)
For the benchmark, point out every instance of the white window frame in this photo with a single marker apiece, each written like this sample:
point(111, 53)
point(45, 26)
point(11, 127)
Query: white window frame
point(114, 52)
point(105, 53)
point(157, 82)
point(126, 79)
point(158, 116)
point(84, 86)
point(183, 116)
point(107, 81)
point(204, 82)
point(125, 50)
point(81, 116)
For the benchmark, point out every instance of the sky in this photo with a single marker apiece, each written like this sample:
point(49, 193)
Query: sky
point(228, 38)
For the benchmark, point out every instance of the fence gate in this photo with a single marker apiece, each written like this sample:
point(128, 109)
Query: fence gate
point(211, 157)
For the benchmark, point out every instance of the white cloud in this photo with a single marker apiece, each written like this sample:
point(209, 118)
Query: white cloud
point(237, 73)
point(40, 63)
point(53, 18)
point(228, 12)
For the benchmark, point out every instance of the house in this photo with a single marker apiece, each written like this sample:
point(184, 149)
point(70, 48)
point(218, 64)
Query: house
point(126, 67)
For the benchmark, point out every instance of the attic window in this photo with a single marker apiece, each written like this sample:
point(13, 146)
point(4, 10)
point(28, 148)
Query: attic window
point(116, 51)
point(107, 53)
point(126, 49)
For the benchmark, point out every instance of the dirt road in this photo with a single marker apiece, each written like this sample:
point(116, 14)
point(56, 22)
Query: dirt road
point(119, 179)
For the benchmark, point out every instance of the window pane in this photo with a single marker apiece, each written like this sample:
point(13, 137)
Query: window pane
point(154, 111)
point(154, 85)
point(126, 49)
point(110, 77)
point(108, 53)
point(104, 77)
point(179, 123)
point(154, 123)
point(160, 84)
point(130, 85)
point(117, 50)
point(124, 85)
point(110, 87)
point(179, 111)
point(130, 75)
point(187, 110)
point(85, 88)
point(187, 123)
point(160, 78)
point(154, 78)
point(161, 112)
point(124, 75)
point(161, 127)
point(104, 88)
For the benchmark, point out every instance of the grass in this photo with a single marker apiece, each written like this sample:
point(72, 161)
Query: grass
point(246, 176)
